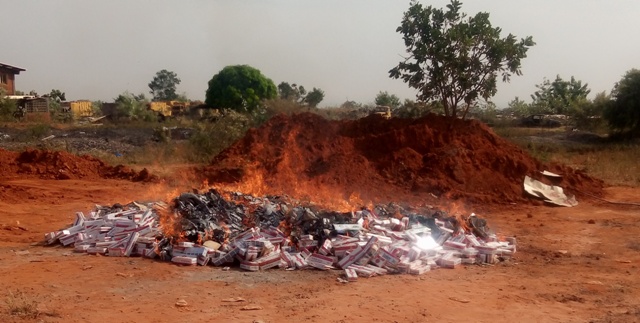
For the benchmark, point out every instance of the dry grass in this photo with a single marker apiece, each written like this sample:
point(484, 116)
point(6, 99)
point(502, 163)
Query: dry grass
point(152, 153)
point(22, 305)
point(615, 163)
point(514, 132)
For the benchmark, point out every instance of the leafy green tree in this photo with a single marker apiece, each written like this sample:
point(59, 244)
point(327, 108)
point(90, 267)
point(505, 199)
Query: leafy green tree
point(560, 96)
point(297, 93)
point(386, 99)
point(518, 107)
point(7, 106)
point(163, 86)
point(240, 88)
point(486, 112)
point(623, 114)
point(587, 115)
point(57, 95)
point(349, 104)
point(314, 97)
point(291, 92)
point(133, 107)
point(413, 109)
point(455, 59)
point(57, 111)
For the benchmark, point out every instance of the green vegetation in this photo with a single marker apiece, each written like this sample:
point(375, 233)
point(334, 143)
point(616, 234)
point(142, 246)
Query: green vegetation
point(133, 107)
point(454, 62)
point(211, 138)
point(239, 87)
point(386, 99)
point(559, 96)
point(163, 86)
point(314, 97)
point(623, 113)
point(7, 107)
point(614, 162)
point(455, 59)
point(297, 93)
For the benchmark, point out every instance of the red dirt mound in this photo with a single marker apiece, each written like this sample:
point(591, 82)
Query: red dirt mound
point(374, 159)
point(63, 165)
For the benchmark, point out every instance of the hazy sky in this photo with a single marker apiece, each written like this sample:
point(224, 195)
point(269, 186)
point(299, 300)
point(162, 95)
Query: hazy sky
point(98, 49)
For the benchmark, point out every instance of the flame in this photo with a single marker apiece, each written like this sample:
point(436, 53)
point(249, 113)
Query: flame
point(459, 210)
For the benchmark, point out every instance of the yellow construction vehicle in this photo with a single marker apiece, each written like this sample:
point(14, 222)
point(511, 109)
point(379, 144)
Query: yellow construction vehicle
point(78, 109)
point(383, 111)
point(168, 109)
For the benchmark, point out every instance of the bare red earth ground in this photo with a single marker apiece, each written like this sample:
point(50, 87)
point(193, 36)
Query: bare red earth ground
point(595, 280)
point(378, 160)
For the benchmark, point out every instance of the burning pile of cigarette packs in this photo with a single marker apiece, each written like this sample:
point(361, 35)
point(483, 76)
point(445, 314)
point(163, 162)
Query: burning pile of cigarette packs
point(262, 233)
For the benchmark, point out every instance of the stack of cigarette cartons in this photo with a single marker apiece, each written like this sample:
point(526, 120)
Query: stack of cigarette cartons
point(368, 245)
point(119, 233)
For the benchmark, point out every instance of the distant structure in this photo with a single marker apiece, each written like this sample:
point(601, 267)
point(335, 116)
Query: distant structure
point(7, 77)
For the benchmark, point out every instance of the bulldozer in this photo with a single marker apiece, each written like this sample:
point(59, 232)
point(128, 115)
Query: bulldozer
point(77, 109)
point(168, 109)
point(383, 111)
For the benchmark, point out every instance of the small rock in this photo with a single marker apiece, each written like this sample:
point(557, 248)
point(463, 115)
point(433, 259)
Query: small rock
point(595, 282)
point(234, 299)
point(592, 221)
point(181, 303)
point(251, 308)
point(460, 300)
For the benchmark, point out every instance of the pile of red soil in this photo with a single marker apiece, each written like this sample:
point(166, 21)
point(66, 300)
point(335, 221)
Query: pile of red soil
point(63, 165)
point(374, 159)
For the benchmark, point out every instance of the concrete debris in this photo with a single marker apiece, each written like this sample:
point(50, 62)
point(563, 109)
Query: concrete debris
point(268, 232)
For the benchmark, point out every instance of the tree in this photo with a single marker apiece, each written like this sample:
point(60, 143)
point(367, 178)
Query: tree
point(587, 115)
point(623, 114)
point(298, 94)
point(413, 109)
point(518, 107)
point(291, 92)
point(60, 113)
point(560, 96)
point(240, 88)
point(314, 97)
point(57, 95)
point(386, 99)
point(7, 106)
point(163, 86)
point(132, 106)
point(455, 59)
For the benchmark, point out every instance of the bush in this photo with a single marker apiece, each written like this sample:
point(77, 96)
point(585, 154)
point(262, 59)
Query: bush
point(210, 139)
point(623, 114)
point(7, 107)
point(240, 88)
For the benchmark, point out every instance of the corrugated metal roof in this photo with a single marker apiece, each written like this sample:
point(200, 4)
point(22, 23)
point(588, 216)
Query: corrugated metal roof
point(15, 69)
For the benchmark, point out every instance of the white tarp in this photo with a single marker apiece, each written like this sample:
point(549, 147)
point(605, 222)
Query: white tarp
point(550, 194)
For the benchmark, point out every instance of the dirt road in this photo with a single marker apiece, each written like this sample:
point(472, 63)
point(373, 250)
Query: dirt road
point(573, 265)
